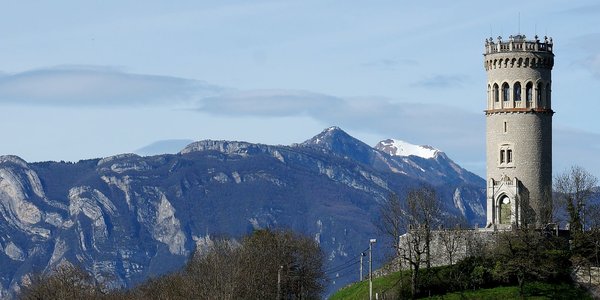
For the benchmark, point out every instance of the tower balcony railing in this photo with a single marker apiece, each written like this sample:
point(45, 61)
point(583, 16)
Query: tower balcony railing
point(518, 43)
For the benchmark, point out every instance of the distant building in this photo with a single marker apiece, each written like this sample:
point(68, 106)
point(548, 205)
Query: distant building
point(519, 131)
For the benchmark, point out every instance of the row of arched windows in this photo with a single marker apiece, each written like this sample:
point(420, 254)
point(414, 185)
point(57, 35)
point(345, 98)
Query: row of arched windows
point(506, 94)
point(519, 62)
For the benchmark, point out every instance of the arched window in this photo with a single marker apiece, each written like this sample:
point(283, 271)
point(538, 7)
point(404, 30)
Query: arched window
point(496, 92)
point(505, 210)
point(517, 91)
point(540, 91)
point(505, 92)
point(489, 95)
point(529, 92)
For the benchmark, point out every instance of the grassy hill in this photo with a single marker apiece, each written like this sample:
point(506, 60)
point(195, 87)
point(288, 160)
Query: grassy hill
point(390, 286)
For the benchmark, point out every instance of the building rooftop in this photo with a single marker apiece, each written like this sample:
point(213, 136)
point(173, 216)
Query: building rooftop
point(518, 43)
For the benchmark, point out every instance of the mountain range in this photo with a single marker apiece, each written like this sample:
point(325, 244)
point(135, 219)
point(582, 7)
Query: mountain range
point(126, 218)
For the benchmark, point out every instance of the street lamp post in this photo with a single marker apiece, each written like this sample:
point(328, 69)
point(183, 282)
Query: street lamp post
point(362, 254)
point(371, 242)
point(279, 282)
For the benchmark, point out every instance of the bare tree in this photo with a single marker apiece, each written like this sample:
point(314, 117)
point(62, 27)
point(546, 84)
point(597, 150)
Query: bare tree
point(390, 219)
point(296, 258)
point(453, 237)
point(420, 213)
point(64, 282)
point(574, 189)
point(170, 286)
point(213, 272)
point(423, 210)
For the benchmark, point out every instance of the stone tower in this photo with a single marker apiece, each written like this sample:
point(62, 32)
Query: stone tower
point(518, 131)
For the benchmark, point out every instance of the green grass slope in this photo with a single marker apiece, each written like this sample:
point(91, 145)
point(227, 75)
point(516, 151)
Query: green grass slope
point(389, 285)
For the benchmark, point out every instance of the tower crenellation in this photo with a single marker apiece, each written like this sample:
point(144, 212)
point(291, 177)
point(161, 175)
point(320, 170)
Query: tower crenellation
point(518, 43)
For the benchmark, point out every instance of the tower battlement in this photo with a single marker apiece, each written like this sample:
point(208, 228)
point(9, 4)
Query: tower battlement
point(518, 52)
point(518, 43)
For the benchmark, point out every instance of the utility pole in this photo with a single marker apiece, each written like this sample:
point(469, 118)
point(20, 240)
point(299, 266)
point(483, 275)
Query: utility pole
point(279, 282)
point(362, 254)
point(371, 242)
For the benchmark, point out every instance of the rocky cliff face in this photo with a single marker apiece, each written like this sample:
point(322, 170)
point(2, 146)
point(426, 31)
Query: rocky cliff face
point(125, 218)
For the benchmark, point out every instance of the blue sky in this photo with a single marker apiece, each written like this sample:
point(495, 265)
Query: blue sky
point(87, 79)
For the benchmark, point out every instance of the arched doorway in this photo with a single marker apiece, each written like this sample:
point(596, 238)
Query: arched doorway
point(505, 209)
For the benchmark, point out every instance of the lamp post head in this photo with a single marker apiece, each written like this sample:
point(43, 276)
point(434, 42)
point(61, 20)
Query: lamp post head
point(372, 241)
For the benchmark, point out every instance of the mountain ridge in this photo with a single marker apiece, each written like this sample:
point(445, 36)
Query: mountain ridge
point(131, 216)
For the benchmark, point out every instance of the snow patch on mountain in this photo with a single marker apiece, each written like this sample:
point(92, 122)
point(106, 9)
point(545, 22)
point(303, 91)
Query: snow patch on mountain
point(395, 147)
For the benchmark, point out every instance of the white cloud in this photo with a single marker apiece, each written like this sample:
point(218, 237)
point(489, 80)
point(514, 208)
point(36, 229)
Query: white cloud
point(89, 85)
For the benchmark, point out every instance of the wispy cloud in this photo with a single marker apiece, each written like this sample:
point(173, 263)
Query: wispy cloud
point(274, 103)
point(98, 86)
point(441, 81)
point(589, 58)
point(390, 63)
point(418, 123)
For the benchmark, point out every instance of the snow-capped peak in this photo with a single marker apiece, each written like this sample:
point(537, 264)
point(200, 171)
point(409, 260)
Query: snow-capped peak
point(401, 148)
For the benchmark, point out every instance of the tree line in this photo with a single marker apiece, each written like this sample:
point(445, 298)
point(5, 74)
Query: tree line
point(264, 265)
